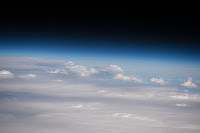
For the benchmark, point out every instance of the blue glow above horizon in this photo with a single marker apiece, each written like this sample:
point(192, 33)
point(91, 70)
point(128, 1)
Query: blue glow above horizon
point(60, 49)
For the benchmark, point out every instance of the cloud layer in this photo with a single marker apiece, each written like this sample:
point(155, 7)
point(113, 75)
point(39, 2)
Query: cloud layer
point(47, 105)
point(67, 97)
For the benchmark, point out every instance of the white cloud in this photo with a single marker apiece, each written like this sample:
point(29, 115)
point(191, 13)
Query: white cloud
point(132, 116)
point(28, 76)
point(118, 73)
point(159, 81)
point(56, 71)
point(121, 76)
point(111, 69)
point(82, 106)
point(83, 71)
point(59, 71)
point(77, 106)
point(78, 69)
point(181, 97)
point(181, 105)
point(185, 96)
point(5, 74)
point(92, 70)
point(189, 83)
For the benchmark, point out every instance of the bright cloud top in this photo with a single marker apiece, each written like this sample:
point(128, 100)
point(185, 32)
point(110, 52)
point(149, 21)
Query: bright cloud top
point(83, 71)
point(122, 76)
point(158, 81)
point(5, 74)
point(111, 69)
point(59, 71)
point(188, 83)
point(28, 76)
point(77, 69)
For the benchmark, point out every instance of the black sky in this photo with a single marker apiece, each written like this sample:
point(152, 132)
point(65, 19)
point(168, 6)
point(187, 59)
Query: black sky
point(163, 28)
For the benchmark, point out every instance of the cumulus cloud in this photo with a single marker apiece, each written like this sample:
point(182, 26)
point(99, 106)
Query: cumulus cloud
point(77, 69)
point(28, 76)
point(188, 83)
point(118, 73)
point(122, 76)
point(111, 69)
point(5, 74)
point(158, 81)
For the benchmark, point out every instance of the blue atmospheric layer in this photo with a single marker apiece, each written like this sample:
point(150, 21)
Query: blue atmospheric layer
point(157, 51)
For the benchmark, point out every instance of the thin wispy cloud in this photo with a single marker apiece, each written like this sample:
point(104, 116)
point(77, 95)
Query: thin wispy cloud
point(181, 104)
point(27, 76)
point(28, 63)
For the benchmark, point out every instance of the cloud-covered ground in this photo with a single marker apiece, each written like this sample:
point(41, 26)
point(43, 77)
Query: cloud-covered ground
point(40, 95)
